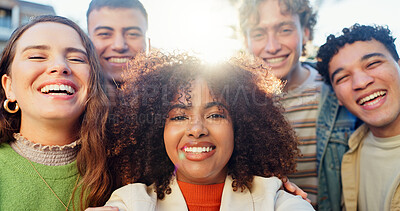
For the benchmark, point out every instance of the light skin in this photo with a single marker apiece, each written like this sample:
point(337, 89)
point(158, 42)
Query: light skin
point(49, 55)
point(204, 125)
point(366, 80)
point(278, 39)
point(118, 34)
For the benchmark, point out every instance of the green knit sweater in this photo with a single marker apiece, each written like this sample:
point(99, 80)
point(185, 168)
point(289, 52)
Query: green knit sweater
point(21, 188)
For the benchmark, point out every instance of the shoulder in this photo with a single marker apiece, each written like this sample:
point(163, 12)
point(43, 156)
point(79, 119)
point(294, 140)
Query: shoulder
point(287, 201)
point(136, 196)
point(6, 152)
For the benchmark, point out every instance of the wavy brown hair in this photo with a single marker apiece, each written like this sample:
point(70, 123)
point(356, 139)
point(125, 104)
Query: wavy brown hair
point(264, 142)
point(91, 158)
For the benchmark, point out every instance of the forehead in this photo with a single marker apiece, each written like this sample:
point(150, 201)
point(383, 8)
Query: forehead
point(352, 53)
point(117, 18)
point(50, 33)
point(273, 12)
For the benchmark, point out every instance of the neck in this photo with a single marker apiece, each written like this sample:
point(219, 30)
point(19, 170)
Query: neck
point(390, 130)
point(296, 77)
point(50, 132)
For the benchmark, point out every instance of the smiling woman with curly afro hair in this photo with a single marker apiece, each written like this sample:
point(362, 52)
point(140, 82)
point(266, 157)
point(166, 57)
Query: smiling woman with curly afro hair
point(243, 96)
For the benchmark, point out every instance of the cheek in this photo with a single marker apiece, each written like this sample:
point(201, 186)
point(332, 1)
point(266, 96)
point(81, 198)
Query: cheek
point(100, 45)
point(137, 45)
point(171, 139)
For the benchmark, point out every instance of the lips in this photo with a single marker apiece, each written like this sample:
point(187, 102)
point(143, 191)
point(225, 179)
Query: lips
point(371, 99)
point(198, 151)
point(118, 60)
point(58, 87)
point(275, 60)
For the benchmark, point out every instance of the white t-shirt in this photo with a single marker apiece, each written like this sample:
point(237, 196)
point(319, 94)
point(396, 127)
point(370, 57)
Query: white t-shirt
point(379, 168)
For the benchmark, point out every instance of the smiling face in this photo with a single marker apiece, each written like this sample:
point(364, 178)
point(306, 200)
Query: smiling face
point(199, 137)
point(366, 80)
point(49, 75)
point(118, 35)
point(278, 38)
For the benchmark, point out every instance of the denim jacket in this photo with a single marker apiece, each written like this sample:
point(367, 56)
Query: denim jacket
point(334, 127)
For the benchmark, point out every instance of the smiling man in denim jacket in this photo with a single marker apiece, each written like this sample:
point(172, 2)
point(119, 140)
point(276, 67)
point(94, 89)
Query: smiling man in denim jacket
point(362, 65)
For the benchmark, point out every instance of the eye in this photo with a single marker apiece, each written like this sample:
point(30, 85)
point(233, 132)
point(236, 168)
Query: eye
point(341, 78)
point(257, 35)
point(77, 60)
point(216, 116)
point(104, 34)
point(178, 118)
point(374, 64)
point(133, 34)
point(36, 57)
point(286, 30)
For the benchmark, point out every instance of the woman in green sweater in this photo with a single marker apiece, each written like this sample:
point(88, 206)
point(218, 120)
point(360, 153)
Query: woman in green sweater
point(52, 120)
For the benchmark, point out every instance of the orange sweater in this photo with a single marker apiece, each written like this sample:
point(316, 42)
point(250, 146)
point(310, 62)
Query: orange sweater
point(202, 197)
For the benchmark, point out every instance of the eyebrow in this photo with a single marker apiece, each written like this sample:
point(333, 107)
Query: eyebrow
point(207, 106)
point(291, 23)
point(363, 58)
point(124, 29)
point(39, 47)
point(132, 28)
point(285, 23)
point(76, 50)
point(103, 27)
point(46, 47)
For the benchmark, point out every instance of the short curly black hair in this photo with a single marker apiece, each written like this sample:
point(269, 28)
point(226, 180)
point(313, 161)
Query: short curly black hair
point(350, 35)
point(264, 142)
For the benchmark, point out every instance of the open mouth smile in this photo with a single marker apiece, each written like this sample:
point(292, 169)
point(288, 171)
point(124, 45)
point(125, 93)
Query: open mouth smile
point(118, 60)
point(57, 89)
point(372, 99)
point(275, 60)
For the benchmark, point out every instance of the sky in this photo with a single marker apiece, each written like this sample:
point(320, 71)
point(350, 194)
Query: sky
point(204, 27)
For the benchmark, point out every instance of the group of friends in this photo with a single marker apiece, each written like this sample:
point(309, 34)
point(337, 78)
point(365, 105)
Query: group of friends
point(94, 122)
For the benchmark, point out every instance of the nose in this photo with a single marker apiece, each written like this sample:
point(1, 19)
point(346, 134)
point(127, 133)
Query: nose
point(272, 45)
point(361, 80)
point(119, 44)
point(196, 128)
point(59, 66)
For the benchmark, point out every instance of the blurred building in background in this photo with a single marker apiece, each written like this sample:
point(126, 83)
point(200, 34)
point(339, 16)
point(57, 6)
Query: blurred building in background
point(14, 13)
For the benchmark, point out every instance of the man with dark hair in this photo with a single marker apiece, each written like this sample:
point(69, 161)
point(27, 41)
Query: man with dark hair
point(118, 31)
point(276, 31)
point(362, 65)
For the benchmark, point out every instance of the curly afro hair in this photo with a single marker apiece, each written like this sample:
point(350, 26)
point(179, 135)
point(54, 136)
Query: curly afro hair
point(350, 35)
point(264, 142)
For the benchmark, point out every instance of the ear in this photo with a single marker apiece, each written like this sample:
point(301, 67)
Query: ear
point(6, 83)
point(340, 102)
point(306, 35)
point(148, 45)
point(246, 42)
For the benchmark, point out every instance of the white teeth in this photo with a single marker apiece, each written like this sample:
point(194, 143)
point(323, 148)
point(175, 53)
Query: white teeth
point(275, 60)
point(370, 97)
point(198, 149)
point(118, 60)
point(57, 89)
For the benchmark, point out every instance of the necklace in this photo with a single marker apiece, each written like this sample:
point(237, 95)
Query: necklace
point(51, 189)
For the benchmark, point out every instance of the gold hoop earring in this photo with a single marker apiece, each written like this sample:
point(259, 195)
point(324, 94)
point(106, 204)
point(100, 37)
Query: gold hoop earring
point(5, 105)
